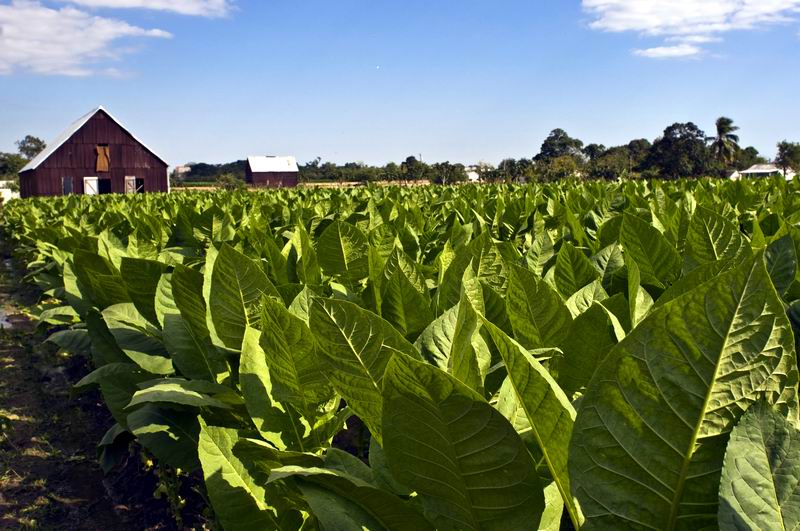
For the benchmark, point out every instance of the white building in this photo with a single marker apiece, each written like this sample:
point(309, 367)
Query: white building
point(762, 170)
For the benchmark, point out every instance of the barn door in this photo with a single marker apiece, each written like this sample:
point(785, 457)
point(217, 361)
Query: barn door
point(90, 186)
point(130, 185)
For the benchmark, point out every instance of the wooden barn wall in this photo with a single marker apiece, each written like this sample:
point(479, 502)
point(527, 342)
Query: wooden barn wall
point(77, 158)
point(274, 179)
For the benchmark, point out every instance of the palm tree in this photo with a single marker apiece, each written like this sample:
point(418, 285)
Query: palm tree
point(725, 145)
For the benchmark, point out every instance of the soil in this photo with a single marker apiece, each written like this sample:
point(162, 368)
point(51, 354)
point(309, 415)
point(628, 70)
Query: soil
point(49, 476)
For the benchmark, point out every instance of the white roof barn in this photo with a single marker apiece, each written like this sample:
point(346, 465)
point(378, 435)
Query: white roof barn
point(762, 170)
point(272, 171)
point(272, 164)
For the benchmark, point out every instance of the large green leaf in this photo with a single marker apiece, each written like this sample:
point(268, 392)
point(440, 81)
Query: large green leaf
point(659, 263)
point(590, 338)
point(141, 281)
point(171, 435)
point(711, 237)
point(289, 349)
point(383, 510)
point(277, 423)
point(653, 424)
point(782, 263)
point(547, 407)
point(403, 305)
point(356, 345)
point(237, 286)
point(343, 250)
point(186, 335)
point(760, 486)
point(537, 313)
point(435, 343)
point(468, 466)
point(238, 500)
point(573, 270)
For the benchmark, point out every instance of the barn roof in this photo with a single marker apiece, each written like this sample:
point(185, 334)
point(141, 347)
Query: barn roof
point(71, 130)
point(761, 168)
point(272, 164)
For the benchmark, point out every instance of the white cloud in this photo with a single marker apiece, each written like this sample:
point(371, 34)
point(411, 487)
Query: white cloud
point(669, 52)
point(691, 22)
point(203, 8)
point(65, 41)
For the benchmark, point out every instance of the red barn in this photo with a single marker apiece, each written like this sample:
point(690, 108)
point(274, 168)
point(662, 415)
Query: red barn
point(95, 155)
point(272, 172)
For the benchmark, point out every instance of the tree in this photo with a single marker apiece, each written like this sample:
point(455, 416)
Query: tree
point(614, 163)
point(593, 151)
point(788, 156)
point(415, 170)
point(725, 145)
point(10, 165)
point(446, 173)
point(559, 168)
point(638, 150)
point(748, 157)
point(559, 144)
point(680, 152)
point(30, 146)
point(391, 172)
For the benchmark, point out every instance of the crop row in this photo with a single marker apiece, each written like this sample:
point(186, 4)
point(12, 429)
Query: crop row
point(599, 355)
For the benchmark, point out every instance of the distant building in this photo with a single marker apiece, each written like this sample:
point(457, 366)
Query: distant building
point(763, 170)
point(473, 176)
point(94, 155)
point(272, 172)
point(6, 193)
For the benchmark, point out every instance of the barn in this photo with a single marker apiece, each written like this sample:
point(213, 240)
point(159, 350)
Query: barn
point(272, 172)
point(94, 155)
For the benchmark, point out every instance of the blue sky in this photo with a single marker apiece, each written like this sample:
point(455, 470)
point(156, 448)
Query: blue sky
point(377, 80)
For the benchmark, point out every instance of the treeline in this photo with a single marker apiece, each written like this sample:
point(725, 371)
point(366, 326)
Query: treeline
point(683, 150)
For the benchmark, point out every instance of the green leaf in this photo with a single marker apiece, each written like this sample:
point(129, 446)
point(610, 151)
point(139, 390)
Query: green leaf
point(710, 238)
point(175, 391)
point(186, 334)
point(141, 281)
point(760, 486)
point(343, 250)
point(547, 407)
point(238, 500)
point(659, 263)
point(356, 345)
point(237, 286)
point(289, 349)
point(538, 315)
point(463, 458)
point(573, 270)
point(654, 421)
point(277, 423)
point(382, 508)
point(590, 338)
point(137, 338)
point(303, 258)
point(435, 343)
point(73, 341)
point(781, 263)
point(404, 306)
point(553, 510)
point(171, 435)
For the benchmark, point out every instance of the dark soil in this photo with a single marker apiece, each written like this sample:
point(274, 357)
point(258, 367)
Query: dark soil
point(49, 476)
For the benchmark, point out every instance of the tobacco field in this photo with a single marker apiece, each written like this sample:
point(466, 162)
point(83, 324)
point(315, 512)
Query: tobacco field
point(560, 356)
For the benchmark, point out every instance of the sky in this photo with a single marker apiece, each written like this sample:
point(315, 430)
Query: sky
point(378, 80)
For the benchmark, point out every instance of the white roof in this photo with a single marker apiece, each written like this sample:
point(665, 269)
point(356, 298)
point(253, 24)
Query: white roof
point(761, 168)
point(71, 130)
point(272, 164)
